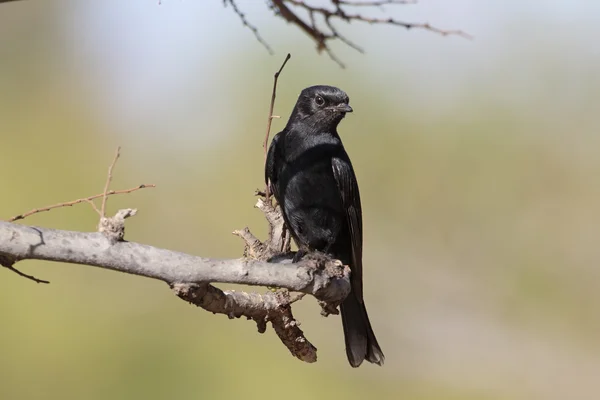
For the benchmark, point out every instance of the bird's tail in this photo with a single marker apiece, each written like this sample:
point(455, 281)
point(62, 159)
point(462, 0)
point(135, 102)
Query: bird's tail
point(361, 343)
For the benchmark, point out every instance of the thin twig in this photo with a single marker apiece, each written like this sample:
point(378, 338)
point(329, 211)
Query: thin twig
point(270, 119)
point(31, 277)
point(87, 199)
point(341, 14)
point(325, 32)
point(108, 179)
point(91, 203)
point(343, 38)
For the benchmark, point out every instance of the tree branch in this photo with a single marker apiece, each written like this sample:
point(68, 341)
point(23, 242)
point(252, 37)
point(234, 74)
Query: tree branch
point(273, 307)
point(17, 242)
point(322, 35)
point(189, 275)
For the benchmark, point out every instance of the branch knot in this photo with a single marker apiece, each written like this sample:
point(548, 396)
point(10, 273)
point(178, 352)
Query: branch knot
point(114, 227)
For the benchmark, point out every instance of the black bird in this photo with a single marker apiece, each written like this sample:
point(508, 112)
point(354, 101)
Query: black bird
point(312, 179)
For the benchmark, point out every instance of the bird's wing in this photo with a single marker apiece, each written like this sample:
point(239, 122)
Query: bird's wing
point(348, 187)
point(270, 166)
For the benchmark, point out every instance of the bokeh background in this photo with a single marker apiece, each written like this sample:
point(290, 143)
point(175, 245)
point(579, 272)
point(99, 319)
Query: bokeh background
point(477, 161)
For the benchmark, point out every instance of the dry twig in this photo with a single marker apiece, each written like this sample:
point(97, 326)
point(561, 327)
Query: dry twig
point(8, 262)
point(87, 200)
point(262, 308)
point(287, 9)
point(270, 118)
point(105, 223)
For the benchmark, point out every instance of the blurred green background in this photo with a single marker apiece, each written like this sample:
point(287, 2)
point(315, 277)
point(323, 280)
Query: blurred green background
point(477, 161)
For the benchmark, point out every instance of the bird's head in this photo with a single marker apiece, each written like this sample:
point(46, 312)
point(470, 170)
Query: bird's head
point(321, 105)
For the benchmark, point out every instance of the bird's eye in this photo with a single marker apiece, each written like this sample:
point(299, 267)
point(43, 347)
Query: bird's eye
point(319, 100)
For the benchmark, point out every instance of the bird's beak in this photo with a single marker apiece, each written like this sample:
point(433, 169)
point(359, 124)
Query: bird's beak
point(344, 108)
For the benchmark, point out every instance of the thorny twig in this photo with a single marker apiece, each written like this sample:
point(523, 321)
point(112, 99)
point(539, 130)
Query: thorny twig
point(270, 118)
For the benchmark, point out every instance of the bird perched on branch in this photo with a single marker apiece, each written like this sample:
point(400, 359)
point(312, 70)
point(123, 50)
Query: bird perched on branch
point(312, 179)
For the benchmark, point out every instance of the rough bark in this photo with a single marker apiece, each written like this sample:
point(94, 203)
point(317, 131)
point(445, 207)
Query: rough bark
point(190, 276)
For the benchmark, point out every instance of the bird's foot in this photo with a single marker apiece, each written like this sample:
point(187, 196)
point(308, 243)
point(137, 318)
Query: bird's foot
point(299, 255)
point(313, 255)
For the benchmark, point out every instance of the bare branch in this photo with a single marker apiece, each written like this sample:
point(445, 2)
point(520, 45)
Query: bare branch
point(343, 38)
point(189, 276)
point(72, 203)
point(321, 37)
point(328, 282)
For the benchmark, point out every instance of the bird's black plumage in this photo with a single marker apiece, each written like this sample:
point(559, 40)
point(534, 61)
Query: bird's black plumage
point(311, 176)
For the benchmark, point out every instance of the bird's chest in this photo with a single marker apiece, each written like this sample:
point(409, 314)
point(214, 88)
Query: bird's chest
point(308, 191)
point(306, 180)
point(312, 203)
point(311, 183)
